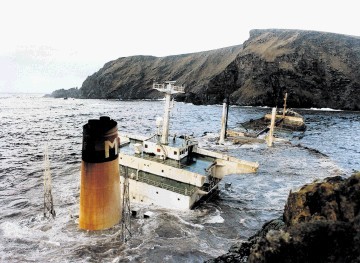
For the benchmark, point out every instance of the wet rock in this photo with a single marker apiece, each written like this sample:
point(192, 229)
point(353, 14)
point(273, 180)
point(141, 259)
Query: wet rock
point(321, 224)
point(318, 241)
point(334, 199)
point(239, 252)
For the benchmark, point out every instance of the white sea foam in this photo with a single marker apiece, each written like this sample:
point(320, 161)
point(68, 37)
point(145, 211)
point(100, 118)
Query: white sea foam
point(324, 109)
point(13, 230)
point(53, 243)
point(251, 146)
point(215, 220)
point(188, 223)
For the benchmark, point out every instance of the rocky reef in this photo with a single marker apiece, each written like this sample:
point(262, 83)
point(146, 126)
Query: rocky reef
point(317, 69)
point(321, 223)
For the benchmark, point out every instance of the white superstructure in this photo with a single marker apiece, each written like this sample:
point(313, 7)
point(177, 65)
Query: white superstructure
point(168, 88)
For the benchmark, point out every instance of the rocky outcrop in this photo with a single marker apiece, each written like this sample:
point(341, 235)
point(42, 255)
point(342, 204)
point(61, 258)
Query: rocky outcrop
point(65, 93)
point(321, 223)
point(240, 251)
point(317, 69)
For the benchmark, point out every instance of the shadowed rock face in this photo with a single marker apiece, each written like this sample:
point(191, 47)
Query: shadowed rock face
point(321, 223)
point(317, 69)
point(132, 77)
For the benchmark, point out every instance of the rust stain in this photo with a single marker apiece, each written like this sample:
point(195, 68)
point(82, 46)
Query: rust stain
point(99, 195)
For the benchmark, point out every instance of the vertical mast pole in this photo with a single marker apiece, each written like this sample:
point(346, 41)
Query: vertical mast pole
point(227, 114)
point(270, 138)
point(165, 131)
point(169, 88)
point(48, 199)
point(223, 124)
point(284, 111)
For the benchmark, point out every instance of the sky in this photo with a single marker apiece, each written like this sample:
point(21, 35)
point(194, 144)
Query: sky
point(47, 45)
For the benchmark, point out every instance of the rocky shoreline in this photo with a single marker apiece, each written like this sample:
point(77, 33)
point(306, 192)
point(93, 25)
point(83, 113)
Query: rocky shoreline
point(320, 223)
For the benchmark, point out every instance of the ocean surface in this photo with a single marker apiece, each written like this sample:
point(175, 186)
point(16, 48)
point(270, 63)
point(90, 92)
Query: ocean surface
point(329, 147)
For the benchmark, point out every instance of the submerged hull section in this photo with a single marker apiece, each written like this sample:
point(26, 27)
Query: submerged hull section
point(142, 192)
point(292, 121)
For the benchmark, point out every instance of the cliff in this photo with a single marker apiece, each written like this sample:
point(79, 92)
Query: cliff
point(317, 69)
point(132, 77)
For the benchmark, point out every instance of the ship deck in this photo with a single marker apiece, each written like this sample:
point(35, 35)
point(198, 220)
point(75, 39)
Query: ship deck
point(196, 163)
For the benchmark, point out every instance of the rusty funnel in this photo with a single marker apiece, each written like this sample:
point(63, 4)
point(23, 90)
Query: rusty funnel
point(100, 206)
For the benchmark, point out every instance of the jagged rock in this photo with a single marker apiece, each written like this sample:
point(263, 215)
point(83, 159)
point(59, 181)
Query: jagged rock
point(317, 69)
point(334, 199)
point(318, 241)
point(239, 252)
point(321, 224)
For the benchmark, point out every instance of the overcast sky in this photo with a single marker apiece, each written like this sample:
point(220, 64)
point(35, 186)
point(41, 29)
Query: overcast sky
point(47, 45)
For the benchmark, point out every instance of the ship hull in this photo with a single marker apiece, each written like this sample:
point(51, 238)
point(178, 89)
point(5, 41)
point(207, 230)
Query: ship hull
point(143, 193)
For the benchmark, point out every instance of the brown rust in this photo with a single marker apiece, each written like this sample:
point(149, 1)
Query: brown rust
point(99, 195)
point(100, 206)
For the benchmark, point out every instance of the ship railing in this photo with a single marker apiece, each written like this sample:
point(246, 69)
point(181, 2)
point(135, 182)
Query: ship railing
point(171, 188)
point(158, 86)
point(169, 87)
point(179, 88)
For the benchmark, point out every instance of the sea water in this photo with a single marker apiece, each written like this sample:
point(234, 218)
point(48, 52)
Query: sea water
point(329, 147)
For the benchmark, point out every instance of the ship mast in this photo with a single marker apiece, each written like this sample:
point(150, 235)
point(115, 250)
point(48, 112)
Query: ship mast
point(284, 110)
point(169, 89)
point(48, 199)
point(126, 210)
point(224, 121)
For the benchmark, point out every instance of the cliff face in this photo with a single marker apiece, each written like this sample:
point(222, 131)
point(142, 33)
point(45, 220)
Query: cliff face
point(132, 77)
point(316, 69)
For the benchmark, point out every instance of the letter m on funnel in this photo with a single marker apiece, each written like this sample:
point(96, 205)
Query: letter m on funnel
point(109, 145)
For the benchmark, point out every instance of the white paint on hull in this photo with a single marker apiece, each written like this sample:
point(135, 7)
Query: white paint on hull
point(162, 170)
point(143, 193)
